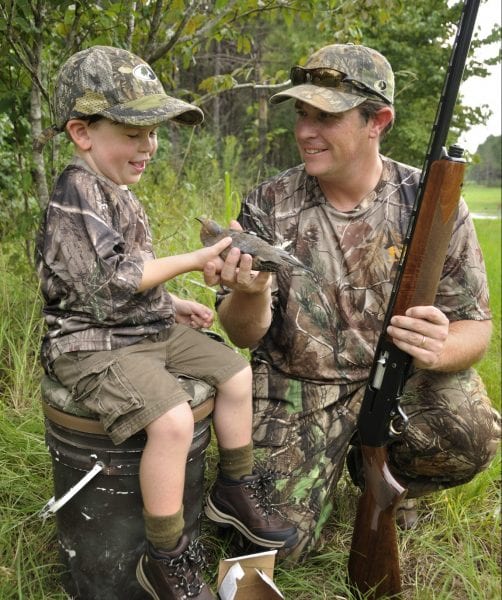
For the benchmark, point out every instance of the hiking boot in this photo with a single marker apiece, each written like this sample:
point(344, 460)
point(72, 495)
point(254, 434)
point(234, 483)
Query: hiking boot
point(245, 504)
point(174, 575)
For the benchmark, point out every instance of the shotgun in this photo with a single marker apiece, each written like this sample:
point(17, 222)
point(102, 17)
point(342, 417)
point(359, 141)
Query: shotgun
point(373, 566)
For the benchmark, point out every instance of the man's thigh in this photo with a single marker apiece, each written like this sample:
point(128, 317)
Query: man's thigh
point(453, 431)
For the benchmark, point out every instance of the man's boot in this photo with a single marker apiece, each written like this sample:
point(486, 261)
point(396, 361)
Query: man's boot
point(174, 575)
point(245, 504)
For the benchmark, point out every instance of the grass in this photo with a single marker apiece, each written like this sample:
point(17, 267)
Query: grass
point(453, 555)
point(483, 200)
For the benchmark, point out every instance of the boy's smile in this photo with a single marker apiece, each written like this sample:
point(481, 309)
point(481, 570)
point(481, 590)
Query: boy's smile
point(119, 152)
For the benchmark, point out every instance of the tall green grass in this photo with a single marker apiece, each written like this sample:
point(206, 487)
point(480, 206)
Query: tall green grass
point(454, 554)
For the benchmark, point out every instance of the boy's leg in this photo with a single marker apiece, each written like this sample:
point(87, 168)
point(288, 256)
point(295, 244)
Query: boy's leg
point(162, 475)
point(239, 496)
point(172, 564)
point(132, 390)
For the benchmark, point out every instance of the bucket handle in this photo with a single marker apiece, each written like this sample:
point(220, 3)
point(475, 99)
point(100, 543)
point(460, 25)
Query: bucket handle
point(54, 505)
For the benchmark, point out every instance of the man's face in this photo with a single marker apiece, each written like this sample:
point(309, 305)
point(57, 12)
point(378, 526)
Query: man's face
point(120, 152)
point(331, 145)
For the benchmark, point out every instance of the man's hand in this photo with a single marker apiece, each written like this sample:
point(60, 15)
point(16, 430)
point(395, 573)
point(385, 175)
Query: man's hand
point(246, 312)
point(236, 272)
point(425, 333)
point(422, 333)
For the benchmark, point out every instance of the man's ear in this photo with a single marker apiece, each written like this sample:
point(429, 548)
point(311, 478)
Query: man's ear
point(381, 119)
point(78, 131)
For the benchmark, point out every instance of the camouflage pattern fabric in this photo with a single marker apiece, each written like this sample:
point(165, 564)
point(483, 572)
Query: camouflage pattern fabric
point(89, 256)
point(325, 327)
point(311, 367)
point(366, 72)
point(118, 85)
point(302, 432)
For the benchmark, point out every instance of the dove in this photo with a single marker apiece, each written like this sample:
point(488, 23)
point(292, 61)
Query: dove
point(265, 256)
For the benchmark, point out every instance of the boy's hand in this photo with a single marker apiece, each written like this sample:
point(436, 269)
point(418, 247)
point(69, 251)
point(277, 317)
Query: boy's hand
point(192, 313)
point(211, 254)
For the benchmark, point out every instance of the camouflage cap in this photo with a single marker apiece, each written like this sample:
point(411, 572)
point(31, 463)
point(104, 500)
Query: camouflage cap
point(118, 85)
point(363, 73)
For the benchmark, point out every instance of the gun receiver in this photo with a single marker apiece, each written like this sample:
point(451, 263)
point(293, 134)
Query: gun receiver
point(374, 556)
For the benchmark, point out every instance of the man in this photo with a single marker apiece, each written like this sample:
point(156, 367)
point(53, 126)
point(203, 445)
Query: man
point(344, 212)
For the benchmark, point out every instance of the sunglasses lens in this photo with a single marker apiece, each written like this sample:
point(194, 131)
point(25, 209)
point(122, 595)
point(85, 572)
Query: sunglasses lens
point(331, 78)
point(298, 75)
point(321, 77)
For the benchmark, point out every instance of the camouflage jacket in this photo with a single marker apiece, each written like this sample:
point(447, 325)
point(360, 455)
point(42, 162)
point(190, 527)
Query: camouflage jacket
point(90, 252)
point(325, 327)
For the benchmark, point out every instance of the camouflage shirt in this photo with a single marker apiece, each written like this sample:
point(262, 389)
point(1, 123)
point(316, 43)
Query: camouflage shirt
point(325, 327)
point(90, 252)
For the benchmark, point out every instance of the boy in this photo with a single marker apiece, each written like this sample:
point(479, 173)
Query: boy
point(118, 339)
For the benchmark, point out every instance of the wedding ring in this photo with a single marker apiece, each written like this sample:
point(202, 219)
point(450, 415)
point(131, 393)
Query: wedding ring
point(422, 343)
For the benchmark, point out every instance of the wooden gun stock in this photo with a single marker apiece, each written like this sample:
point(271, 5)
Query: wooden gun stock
point(434, 225)
point(374, 554)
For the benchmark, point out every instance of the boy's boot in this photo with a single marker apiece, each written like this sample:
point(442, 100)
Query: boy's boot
point(174, 575)
point(245, 504)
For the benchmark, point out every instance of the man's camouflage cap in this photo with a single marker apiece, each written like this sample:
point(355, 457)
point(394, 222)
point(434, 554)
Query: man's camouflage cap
point(115, 84)
point(366, 71)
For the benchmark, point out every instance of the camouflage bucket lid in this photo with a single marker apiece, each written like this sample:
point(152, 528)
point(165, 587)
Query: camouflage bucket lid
point(115, 84)
point(363, 73)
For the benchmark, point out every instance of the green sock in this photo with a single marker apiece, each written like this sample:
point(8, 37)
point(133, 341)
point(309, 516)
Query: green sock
point(236, 462)
point(164, 532)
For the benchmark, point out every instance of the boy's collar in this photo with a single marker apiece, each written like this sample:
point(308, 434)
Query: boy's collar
point(80, 162)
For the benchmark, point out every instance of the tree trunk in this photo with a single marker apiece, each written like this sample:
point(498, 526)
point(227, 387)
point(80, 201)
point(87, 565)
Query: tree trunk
point(35, 56)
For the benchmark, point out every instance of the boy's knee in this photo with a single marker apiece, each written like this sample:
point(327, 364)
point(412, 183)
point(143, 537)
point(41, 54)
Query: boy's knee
point(240, 383)
point(175, 424)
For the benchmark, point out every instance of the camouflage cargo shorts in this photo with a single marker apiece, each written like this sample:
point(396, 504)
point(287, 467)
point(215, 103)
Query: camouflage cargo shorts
point(130, 387)
point(302, 433)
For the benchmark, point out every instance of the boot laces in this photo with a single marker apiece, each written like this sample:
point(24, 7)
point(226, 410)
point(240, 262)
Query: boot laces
point(260, 489)
point(186, 568)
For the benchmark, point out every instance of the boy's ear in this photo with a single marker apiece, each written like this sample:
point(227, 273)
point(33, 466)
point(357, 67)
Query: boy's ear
point(78, 131)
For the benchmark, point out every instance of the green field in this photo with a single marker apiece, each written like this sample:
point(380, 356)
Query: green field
point(483, 200)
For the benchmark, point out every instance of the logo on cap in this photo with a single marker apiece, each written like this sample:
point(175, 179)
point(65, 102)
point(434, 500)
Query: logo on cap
point(144, 73)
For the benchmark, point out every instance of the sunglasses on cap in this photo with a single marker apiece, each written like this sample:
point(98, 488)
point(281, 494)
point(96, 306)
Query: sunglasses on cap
point(331, 78)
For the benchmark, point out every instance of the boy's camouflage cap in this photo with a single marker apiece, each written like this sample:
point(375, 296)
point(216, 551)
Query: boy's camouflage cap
point(361, 64)
point(118, 85)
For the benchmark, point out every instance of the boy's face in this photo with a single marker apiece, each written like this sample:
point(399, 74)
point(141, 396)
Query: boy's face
point(120, 152)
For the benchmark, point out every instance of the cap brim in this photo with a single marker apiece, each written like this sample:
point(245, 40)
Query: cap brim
point(327, 99)
point(153, 110)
